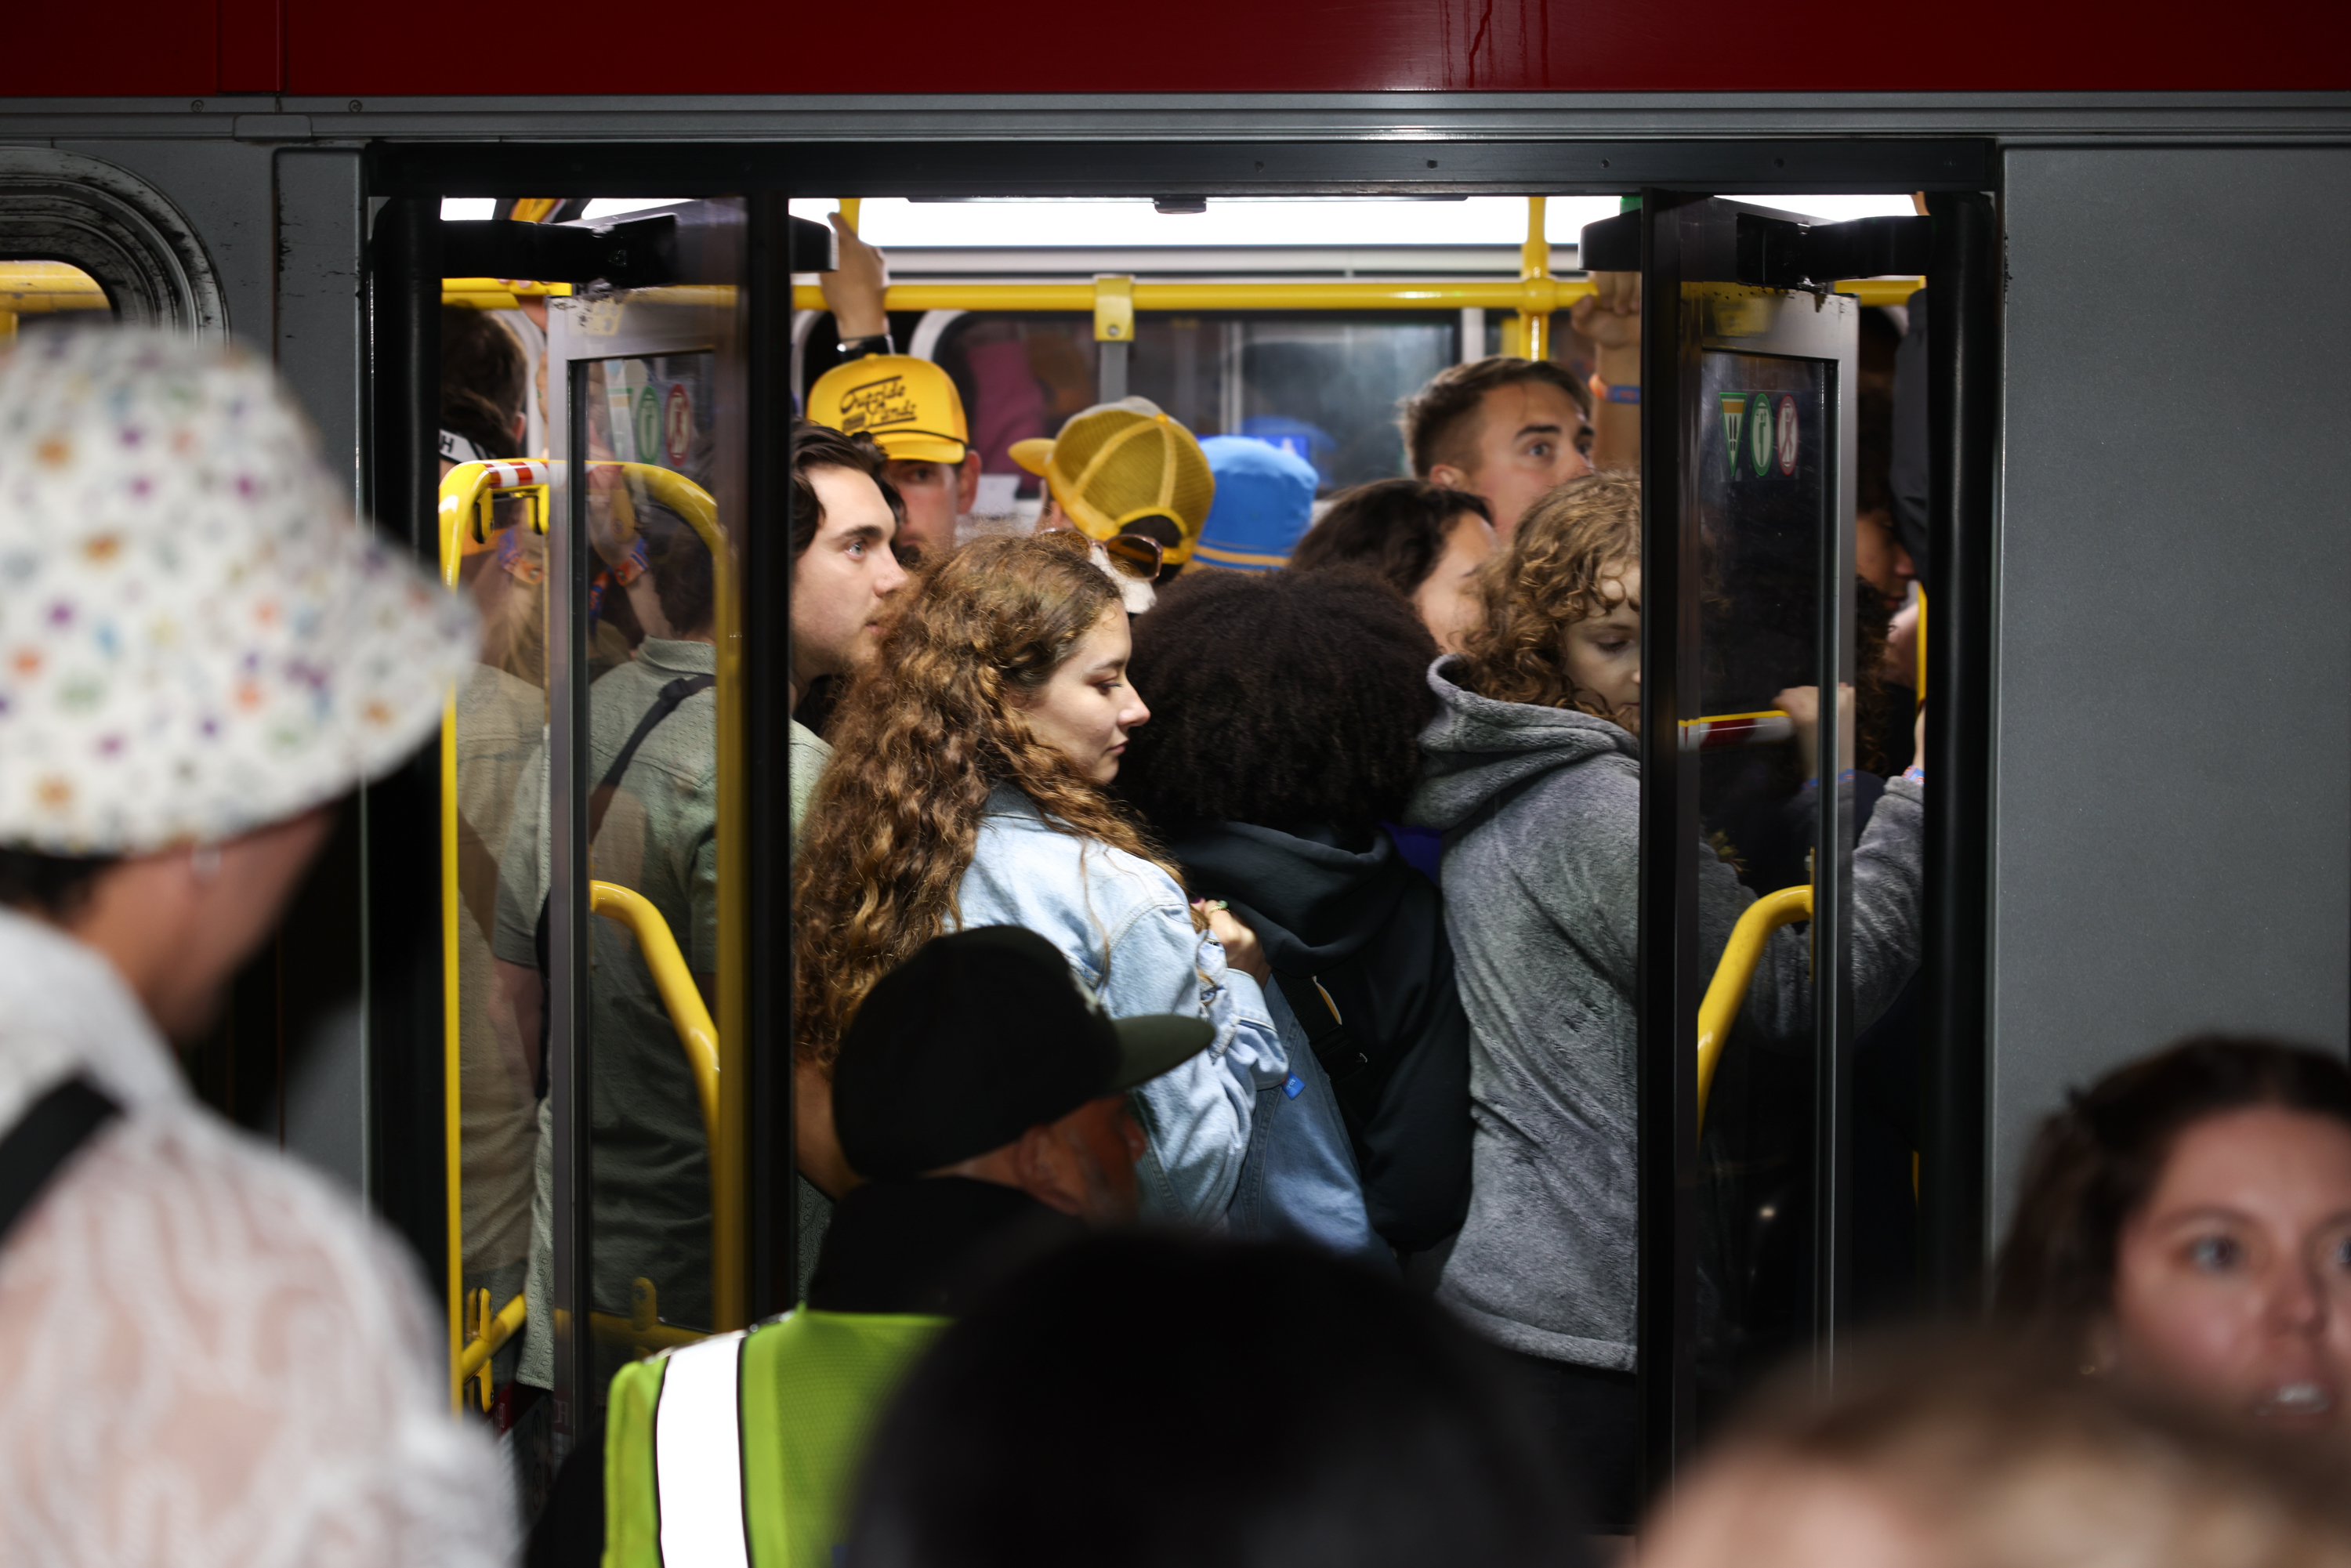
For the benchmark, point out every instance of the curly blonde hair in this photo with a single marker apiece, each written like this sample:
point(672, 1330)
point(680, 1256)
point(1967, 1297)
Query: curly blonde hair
point(925, 731)
point(1547, 577)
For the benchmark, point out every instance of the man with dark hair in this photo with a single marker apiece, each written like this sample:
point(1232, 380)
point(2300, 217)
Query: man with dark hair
point(844, 519)
point(1504, 428)
point(1160, 1399)
point(981, 1091)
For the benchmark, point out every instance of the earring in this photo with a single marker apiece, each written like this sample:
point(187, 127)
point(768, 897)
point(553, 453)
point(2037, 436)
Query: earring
point(203, 861)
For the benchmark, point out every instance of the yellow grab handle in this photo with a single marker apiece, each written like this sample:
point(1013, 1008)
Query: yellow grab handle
point(679, 994)
point(492, 1338)
point(1728, 990)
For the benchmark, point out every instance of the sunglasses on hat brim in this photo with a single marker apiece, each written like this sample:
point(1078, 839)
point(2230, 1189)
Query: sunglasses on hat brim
point(1137, 551)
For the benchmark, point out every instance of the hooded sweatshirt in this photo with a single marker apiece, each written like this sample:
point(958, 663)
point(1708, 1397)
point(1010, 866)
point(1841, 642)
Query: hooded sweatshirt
point(1541, 812)
point(1370, 929)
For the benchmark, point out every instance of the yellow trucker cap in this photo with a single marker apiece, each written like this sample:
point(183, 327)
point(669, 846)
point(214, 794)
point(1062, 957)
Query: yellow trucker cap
point(908, 405)
point(1116, 461)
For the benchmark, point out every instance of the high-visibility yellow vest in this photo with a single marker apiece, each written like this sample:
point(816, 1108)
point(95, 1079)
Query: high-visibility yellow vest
point(739, 1451)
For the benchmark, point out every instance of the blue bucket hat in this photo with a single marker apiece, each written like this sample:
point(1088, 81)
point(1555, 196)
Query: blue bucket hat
point(1265, 499)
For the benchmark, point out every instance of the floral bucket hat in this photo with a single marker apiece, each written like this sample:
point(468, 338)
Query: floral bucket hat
point(196, 637)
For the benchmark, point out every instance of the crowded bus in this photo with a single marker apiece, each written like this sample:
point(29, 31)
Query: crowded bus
point(1242, 847)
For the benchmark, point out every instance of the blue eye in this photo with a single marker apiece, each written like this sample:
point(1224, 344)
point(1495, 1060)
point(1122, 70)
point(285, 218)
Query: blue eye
point(2214, 1254)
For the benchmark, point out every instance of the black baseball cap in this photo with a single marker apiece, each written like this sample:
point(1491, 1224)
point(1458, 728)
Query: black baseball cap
point(980, 1036)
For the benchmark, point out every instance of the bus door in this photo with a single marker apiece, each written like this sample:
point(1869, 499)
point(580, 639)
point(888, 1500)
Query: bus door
point(593, 818)
point(1751, 616)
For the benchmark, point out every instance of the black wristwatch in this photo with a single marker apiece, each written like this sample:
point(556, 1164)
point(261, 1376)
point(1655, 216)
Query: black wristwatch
point(858, 348)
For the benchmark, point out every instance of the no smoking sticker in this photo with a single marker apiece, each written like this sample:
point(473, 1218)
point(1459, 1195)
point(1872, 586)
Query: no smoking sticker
point(677, 424)
point(1787, 434)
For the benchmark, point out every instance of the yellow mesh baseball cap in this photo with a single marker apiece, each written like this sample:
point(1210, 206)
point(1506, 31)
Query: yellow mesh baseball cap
point(1117, 462)
point(908, 405)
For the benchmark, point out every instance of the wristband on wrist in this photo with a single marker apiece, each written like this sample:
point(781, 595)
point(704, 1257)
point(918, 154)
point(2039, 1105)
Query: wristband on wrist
point(1915, 774)
point(1611, 391)
point(858, 348)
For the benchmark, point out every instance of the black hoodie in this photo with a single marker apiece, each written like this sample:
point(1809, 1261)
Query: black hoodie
point(1386, 1022)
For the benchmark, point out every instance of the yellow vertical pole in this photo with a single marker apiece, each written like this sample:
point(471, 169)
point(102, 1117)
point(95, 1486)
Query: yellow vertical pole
point(850, 206)
point(1922, 644)
point(1534, 264)
point(452, 1025)
point(7, 326)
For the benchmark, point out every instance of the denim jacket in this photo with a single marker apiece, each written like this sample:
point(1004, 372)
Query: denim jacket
point(1126, 926)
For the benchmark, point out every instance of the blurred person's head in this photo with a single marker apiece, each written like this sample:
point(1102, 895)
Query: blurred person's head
point(1383, 1433)
point(1878, 556)
point(1507, 429)
point(1287, 699)
point(1265, 498)
point(1005, 665)
point(1558, 618)
point(910, 408)
point(1124, 467)
point(1422, 540)
point(677, 595)
point(1960, 1456)
point(483, 378)
point(984, 1056)
point(2185, 1223)
point(844, 519)
point(205, 652)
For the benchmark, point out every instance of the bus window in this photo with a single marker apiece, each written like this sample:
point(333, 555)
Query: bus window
point(1323, 383)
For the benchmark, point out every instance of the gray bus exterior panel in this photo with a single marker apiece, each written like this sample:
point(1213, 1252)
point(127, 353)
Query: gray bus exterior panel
point(2172, 757)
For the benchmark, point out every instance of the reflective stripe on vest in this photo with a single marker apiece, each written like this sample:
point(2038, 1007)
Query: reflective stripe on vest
point(743, 1450)
point(698, 1457)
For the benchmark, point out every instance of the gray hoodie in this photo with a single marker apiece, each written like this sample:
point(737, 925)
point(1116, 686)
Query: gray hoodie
point(1541, 812)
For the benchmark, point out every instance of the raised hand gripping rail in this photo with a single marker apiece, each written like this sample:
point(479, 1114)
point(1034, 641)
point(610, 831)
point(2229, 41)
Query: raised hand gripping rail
point(465, 525)
point(1728, 989)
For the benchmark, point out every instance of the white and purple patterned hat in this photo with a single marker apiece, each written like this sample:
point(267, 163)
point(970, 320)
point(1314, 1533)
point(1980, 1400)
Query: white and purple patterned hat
point(196, 638)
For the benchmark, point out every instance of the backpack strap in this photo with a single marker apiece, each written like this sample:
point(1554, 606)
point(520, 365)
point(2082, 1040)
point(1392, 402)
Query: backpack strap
point(49, 1133)
point(600, 799)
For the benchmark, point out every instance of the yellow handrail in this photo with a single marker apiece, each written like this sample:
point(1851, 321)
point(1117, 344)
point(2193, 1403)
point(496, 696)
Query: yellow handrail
point(1530, 296)
point(36, 288)
point(490, 1336)
point(1712, 731)
point(642, 1329)
point(687, 1014)
point(1728, 990)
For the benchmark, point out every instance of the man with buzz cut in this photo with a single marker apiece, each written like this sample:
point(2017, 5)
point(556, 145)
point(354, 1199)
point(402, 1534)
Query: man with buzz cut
point(981, 1093)
point(909, 406)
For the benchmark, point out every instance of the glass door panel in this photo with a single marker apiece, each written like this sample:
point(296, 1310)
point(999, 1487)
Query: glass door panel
point(645, 1229)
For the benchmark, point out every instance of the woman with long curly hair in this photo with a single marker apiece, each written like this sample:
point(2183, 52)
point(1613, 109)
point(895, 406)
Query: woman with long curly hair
point(1533, 774)
point(966, 787)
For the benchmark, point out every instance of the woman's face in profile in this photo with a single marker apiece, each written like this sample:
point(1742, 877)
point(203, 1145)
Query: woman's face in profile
point(2232, 1284)
point(1447, 598)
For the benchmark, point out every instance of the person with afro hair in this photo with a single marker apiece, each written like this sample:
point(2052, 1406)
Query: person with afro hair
point(1288, 707)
